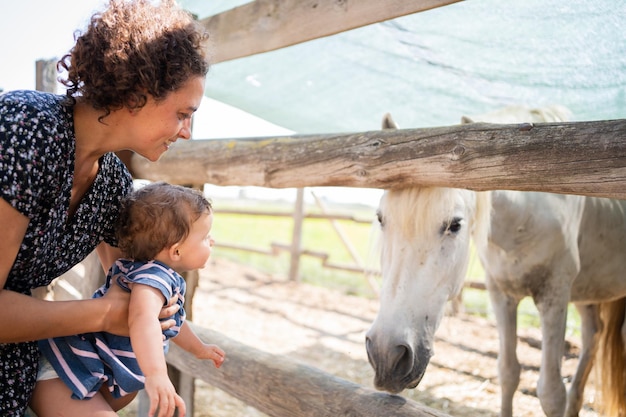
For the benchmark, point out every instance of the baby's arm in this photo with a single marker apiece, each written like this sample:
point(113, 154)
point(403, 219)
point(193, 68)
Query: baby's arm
point(190, 342)
point(147, 342)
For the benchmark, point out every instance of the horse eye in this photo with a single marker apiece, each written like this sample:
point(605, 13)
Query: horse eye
point(379, 216)
point(453, 227)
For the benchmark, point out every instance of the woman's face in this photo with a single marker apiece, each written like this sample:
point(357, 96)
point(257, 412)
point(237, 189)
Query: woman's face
point(157, 125)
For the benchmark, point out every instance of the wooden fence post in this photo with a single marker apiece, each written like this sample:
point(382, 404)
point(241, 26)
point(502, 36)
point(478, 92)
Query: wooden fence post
point(349, 247)
point(296, 237)
point(45, 75)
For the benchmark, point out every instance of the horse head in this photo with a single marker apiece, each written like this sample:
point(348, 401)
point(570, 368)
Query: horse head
point(424, 251)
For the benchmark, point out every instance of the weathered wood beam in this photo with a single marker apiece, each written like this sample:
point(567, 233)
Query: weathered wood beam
point(587, 158)
point(46, 75)
point(282, 387)
point(267, 25)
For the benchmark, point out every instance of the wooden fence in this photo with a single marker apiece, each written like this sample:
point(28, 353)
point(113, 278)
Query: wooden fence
point(587, 158)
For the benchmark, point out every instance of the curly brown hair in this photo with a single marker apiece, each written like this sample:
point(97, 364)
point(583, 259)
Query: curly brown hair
point(156, 216)
point(132, 49)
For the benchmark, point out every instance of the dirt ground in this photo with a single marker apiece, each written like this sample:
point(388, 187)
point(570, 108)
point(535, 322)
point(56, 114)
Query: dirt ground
point(326, 329)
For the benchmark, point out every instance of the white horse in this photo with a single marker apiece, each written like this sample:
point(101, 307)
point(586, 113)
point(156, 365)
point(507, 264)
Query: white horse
point(554, 248)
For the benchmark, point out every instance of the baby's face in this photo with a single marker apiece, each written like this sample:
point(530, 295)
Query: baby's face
point(196, 249)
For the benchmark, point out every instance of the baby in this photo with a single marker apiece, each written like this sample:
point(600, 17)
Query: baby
point(163, 230)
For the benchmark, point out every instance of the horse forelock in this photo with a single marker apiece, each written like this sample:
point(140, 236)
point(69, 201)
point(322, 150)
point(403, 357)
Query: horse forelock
point(412, 212)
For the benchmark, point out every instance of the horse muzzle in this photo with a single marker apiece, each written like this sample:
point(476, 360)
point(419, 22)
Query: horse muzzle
point(397, 366)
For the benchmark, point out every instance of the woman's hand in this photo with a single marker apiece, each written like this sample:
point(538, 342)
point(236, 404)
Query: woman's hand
point(116, 317)
point(168, 311)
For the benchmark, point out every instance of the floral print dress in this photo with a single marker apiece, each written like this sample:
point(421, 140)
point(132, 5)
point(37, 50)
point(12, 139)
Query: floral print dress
point(37, 148)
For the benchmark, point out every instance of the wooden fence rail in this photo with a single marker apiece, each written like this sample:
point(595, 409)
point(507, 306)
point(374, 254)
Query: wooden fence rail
point(266, 25)
point(587, 158)
point(282, 387)
point(327, 216)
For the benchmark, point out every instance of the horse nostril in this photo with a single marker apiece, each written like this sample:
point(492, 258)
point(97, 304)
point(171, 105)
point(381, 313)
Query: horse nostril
point(404, 360)
point(369, 351)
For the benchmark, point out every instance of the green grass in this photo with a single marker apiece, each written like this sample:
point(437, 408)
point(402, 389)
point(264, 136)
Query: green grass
point(318, 235)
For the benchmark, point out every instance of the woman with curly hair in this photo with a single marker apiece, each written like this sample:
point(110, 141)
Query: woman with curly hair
point(134, 78)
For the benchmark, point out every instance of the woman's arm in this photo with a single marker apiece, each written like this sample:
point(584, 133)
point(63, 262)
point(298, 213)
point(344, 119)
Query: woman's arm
point(27, 318)
point(107, 255)
point(13, 225)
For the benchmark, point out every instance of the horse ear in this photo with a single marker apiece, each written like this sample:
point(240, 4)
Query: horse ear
point(388, 122)
point(466, 120)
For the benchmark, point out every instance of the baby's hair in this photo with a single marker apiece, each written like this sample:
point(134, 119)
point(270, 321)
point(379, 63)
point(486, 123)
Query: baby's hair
point(157, 216)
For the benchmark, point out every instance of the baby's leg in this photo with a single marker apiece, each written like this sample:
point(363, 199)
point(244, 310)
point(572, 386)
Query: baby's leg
point(52, 397)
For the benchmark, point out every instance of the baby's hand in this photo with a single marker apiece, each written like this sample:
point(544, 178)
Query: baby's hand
point(163, 397)
point(213, 353)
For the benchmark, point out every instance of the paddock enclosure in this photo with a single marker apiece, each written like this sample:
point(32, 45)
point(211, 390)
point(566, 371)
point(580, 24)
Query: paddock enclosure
point(582, 157)
point(324, 328)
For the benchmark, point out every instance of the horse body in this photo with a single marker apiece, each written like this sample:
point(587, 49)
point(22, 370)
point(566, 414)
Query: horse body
point(533, 233)
point(553, 248)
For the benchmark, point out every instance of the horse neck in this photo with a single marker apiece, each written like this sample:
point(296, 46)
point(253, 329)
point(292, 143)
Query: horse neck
point(481, 224)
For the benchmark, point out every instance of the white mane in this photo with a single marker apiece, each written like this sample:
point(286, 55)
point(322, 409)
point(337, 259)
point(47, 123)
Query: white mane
point(515, 114)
